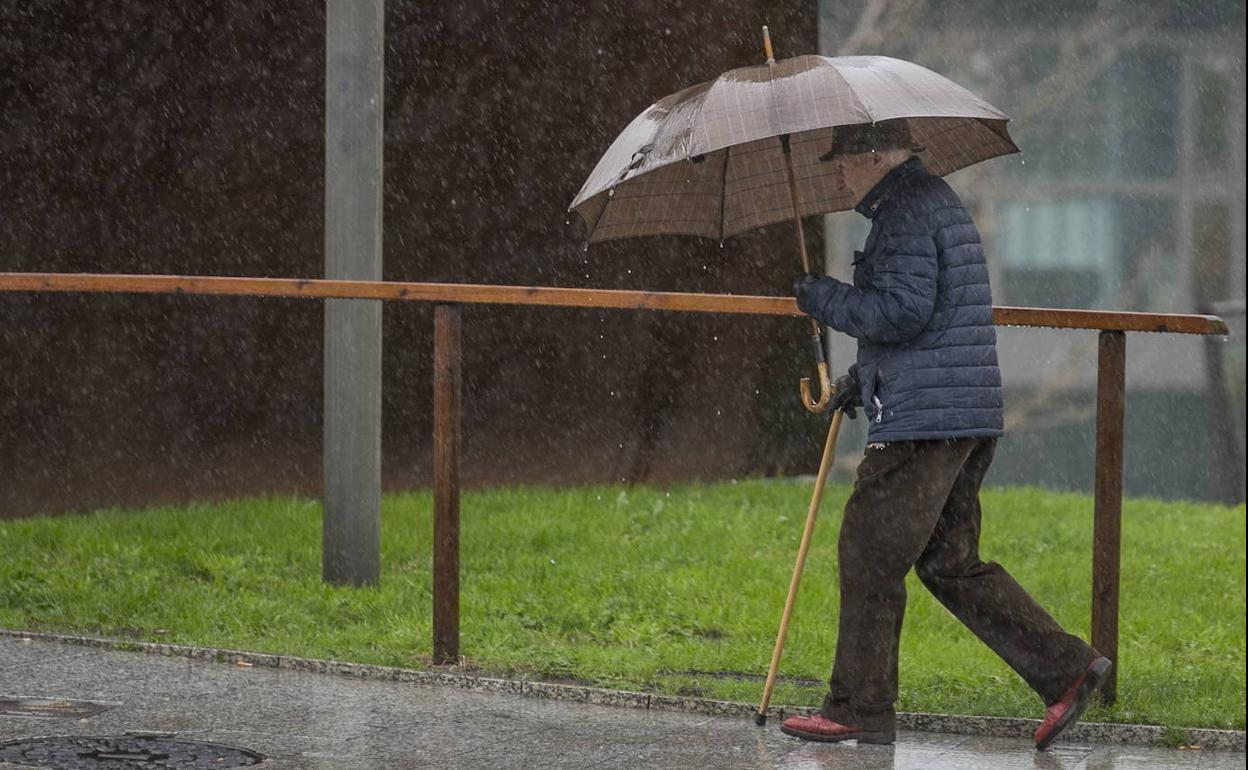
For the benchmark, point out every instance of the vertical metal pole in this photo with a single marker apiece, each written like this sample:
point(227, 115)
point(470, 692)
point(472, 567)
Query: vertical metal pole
point(1220, 407)
point(1107, 525)
point(447, 383)
point(354, 53)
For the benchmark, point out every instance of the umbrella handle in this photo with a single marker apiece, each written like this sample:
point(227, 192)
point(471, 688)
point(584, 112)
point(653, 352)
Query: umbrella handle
point(825, 392)
point(813, 405)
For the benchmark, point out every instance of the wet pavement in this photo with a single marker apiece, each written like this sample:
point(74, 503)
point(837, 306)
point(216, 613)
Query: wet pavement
point(311, 721)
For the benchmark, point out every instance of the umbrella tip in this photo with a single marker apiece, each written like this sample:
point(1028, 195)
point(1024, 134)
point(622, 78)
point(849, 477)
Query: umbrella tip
point(771, 58)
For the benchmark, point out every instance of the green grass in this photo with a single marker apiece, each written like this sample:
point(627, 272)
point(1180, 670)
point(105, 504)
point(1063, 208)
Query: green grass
point(642, 588)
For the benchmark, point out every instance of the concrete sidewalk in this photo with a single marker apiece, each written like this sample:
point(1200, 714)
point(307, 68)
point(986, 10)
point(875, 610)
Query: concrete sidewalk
point(309, 721)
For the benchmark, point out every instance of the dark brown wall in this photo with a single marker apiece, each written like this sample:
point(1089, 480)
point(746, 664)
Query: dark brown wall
point(187, 138)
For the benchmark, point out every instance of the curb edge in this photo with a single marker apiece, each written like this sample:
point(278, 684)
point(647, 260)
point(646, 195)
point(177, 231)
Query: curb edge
point(1005, 727)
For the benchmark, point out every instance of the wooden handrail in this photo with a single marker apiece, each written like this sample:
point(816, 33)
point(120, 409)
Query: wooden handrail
point(1111, 377)
point(462, 293)
point(1108, 320)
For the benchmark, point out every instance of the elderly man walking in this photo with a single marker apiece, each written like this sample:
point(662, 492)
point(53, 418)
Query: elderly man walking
point(927, 379)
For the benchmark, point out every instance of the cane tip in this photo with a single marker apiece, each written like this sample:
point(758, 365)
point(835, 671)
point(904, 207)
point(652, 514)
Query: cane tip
point(760, 719)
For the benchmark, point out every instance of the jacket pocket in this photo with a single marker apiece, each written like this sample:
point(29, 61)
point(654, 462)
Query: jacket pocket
point(869, 387)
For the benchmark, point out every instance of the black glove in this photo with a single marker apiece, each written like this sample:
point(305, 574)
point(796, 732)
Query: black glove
point(801, 285)
point(847, 395)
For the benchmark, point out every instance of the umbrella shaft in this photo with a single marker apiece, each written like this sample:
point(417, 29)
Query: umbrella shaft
point(797, 217)
point(801, 244)
point(816, 336)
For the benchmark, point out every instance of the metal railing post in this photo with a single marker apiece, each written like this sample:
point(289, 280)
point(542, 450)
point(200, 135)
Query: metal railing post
point(1220, 403)
point(351, 448)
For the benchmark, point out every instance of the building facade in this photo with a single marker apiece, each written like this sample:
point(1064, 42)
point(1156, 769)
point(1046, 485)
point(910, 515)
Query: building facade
point(1128, 195)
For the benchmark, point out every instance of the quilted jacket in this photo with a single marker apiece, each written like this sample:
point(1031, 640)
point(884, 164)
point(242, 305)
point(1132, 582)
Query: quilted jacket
point(921, 310)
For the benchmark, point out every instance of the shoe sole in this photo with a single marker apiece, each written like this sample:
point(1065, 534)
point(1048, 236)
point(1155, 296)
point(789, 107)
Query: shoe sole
point(1092, 681)
point(860, 736)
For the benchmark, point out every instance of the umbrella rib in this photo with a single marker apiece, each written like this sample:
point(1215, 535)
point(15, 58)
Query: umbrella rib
point(610, 197)
point(723, 194)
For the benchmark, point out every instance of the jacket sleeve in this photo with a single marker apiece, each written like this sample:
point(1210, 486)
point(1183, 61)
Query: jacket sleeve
point(898, 303)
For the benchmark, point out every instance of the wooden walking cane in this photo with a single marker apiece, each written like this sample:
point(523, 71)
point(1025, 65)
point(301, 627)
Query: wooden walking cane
point(829, 451)
point(811, 404)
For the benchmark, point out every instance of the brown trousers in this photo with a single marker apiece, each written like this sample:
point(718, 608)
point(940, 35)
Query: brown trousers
point(916, 504)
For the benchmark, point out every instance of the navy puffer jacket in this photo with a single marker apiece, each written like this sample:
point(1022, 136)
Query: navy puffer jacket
point(921, 310)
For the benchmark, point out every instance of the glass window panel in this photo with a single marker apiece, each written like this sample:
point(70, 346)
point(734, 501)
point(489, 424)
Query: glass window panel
point(1208, 14)
point(1144, 120)
point(1149, 270)
point(1057, 254)
point(1088, 253)
point(1119, 124)
point(1058, 234)
point(1212, 253)
point(1213, 97)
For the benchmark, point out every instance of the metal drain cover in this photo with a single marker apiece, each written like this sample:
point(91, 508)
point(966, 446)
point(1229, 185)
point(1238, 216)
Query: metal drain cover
point(127, 752)
point(52, 708)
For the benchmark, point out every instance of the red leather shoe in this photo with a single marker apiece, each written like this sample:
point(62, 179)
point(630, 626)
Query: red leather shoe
point(1065, 712)
point(817, 727)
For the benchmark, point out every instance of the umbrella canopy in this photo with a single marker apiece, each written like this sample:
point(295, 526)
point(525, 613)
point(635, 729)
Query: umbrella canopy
point(706, 161)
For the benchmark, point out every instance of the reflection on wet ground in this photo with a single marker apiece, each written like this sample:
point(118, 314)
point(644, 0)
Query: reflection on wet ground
point(309, 721)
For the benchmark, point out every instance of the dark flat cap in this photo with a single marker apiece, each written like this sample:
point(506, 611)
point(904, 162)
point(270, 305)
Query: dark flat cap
point(870, 137)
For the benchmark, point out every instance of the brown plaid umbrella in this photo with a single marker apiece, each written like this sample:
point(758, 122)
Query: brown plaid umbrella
point(749, 148)
point(708, 160)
